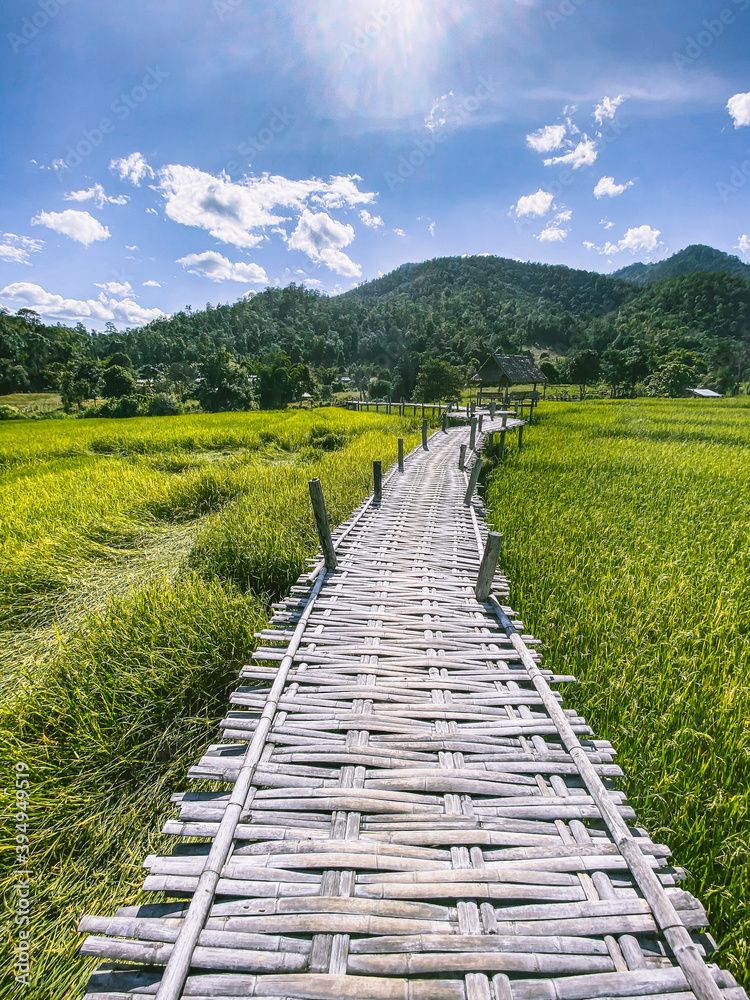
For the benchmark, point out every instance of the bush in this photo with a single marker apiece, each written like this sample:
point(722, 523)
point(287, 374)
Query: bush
point(8, 412)
point(126, 406)
point(164, 405)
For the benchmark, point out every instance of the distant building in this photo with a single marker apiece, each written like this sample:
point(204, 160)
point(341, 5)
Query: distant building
point(704, 393)
point(504, 371)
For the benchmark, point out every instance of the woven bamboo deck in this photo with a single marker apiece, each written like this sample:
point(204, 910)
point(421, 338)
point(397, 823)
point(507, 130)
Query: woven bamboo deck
point(403, 808)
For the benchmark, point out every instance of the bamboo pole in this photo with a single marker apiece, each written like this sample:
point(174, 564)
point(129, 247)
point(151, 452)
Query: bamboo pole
point(400, 454)
point(687, 955)
point(321, 520)
point(473, 480)
point(462, 457)
point(377, 481)
point(473, 434)
point(424, 434)
point(178, 965)
point(488, 566)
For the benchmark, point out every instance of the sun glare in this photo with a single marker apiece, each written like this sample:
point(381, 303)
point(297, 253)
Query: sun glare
point(382, 57)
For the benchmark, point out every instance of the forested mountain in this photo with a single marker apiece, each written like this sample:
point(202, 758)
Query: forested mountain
point(455, 310)
point(693, 258)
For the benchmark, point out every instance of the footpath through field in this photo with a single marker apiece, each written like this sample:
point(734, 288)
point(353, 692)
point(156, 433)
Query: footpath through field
point(403, 810)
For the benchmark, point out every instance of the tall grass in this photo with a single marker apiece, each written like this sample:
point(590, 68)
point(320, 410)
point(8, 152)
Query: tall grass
point(627, 543)
point(139, 559)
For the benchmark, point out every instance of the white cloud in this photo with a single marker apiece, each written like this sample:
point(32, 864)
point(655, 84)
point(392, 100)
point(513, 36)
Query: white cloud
point(399, 232)
point(132, 168)
point(130, 248)
point(217, 268)
point(639, 239)
point(582, 155)
point(238, 212)
point(607, 110)
point(606, 223)
point(17, 249)
point(56, 307)
point(606, 187)
point(739, 108)
point(547, 139)
point(371, 221)
point(79, 226)
point(552, 233)
point(431, 229)
point(743, 245)
point(151, 284)
point(98, 195)
point(151, 211)
point(439, 111)
point(534, 204)
point(321, 238)
point(116, 287)
point(565, 216)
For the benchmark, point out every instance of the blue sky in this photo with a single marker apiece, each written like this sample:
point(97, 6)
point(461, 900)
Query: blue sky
point(159, 154)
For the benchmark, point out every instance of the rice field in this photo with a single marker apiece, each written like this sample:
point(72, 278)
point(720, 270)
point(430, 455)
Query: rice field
point(139, 558)
point(627, 544)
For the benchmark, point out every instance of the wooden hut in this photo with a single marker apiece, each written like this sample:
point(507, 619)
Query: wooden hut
point(504, 371)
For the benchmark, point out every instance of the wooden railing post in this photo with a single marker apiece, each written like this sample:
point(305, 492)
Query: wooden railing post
point(520, 436)
point(492, 409)
point(473, 434)
point(321, 520)
point(501, 451)
point(462, 457)
point(479, 426)
point(424, 433)
point(445, 421)
point(488, 566)
point(473, 480)
point(400, 454)
point(377, 481)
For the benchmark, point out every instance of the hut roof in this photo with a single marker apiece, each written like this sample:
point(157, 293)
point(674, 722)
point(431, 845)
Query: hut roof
point(512, 369)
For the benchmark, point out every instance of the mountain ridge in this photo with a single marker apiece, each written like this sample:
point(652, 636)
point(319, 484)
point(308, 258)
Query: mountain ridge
point(692, 259)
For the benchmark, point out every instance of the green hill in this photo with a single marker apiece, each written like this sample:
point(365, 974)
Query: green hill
point(455, 309)
point(688, 261)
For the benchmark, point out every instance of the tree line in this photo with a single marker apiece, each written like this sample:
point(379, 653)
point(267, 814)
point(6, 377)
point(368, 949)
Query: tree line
point(417, 333)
